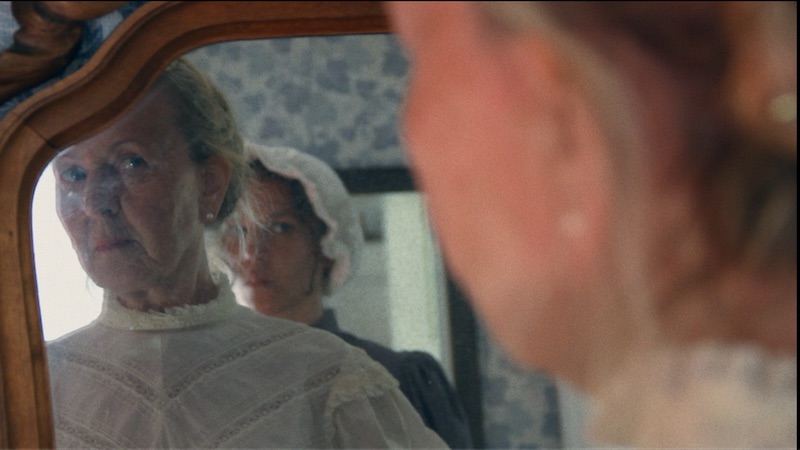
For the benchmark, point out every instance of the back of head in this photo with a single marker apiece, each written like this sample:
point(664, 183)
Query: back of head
point(602, 146)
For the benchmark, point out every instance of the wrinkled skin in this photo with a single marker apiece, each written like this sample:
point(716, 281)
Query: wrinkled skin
point(133, 204)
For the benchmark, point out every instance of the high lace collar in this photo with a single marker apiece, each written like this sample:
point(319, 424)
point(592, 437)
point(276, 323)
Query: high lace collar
point(114, 315)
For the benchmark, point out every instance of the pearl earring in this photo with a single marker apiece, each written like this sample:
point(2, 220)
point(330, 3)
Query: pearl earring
point(209, 217)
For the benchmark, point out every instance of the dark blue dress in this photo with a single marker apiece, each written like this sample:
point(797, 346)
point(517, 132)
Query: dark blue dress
point(421, 379)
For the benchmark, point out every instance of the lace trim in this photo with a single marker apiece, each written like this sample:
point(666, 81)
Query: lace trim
point(149, 396)
point(69, 434)
point(711, 396)
point(275, 404)
point(228, 357)
point(153, 397)
point(368, 381)
point(114, 315)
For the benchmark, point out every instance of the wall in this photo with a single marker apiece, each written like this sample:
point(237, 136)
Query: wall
point(334, 97)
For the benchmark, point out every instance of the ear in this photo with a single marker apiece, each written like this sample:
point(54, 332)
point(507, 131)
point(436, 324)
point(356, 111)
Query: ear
point(563, 155)
point(216, 176)
point(494, 129)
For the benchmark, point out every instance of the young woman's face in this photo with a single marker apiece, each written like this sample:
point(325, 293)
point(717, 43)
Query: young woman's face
point(129, 198)
point(278, 265)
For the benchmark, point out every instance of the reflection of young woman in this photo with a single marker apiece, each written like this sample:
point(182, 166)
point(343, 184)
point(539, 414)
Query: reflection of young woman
point(300, 244)
point(173, 361)
point(615, 184)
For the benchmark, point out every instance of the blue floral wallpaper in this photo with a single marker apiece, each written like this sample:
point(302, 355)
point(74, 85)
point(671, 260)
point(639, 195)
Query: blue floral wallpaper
point(340, 98)
point(335, 97)
point(7, 25)
point(520, 407)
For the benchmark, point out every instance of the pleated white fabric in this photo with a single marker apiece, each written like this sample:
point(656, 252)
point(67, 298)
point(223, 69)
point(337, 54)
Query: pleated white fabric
point(219, 375)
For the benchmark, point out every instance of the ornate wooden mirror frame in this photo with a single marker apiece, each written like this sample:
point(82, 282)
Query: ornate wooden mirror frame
point(71, 110)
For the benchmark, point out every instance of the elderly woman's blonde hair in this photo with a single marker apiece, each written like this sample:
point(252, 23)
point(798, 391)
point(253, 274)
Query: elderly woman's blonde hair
point(208, 122)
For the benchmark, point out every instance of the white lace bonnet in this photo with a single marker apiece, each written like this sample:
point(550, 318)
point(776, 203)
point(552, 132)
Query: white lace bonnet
point(344, 240)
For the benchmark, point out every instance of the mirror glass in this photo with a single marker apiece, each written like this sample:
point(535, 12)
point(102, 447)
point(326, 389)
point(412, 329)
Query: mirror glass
point(337, 98)
point(334, 97)
point(341, 108)
point(382, 302)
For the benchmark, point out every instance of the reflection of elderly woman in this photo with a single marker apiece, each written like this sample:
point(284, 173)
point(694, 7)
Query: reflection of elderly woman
point(302, 244)
point(173, 361)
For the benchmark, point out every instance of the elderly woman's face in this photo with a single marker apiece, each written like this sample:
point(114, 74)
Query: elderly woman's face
point(129, 198)
point(278, 266)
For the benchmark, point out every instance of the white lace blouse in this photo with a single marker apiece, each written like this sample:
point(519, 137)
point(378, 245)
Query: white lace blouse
point(220, 375)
